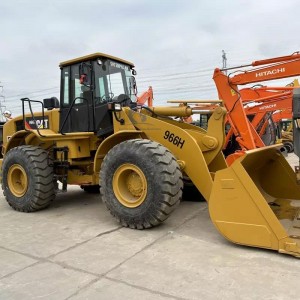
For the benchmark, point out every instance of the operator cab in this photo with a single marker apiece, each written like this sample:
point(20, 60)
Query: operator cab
point(296, 125)
point(88, 84)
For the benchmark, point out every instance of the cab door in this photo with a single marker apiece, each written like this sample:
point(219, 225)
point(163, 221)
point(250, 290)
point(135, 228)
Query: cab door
point(76, 102)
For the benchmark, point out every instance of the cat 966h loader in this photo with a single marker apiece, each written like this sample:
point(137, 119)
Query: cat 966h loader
point(97, 135)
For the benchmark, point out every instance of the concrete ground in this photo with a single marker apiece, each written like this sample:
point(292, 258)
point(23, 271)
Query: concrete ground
point(76, 250)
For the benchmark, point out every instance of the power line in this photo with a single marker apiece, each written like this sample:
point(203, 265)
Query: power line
point(184, 77)
point(178, 73)
point(30, 93)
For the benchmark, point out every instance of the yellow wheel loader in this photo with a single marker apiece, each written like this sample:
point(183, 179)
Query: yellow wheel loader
point(98, 136)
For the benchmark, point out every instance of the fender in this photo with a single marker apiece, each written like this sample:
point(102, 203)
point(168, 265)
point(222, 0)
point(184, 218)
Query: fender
point(16, 139)
point(110, 142)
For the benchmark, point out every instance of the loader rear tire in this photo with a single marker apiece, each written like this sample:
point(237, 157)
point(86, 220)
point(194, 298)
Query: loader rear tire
point(190, 192)
point(289, 147)
point(141, 183)
point(27, 178)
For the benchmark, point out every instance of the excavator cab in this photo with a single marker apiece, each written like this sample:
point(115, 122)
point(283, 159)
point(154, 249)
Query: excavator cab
point(87, 85)
point(296, 121)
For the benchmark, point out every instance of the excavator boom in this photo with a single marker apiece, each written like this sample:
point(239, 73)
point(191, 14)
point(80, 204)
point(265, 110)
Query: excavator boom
point(227, 85)
point(269, 69)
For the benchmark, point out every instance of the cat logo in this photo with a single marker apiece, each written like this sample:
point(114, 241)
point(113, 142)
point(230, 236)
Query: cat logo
point(37, 123)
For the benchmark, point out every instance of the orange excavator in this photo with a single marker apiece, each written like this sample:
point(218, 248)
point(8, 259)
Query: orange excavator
point(265, 107)
point(276, 106)
point(146, 97)
point(244, 131)
point(277, 100)
point(248, 129)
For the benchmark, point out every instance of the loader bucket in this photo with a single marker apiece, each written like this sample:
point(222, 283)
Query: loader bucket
point(256, 202)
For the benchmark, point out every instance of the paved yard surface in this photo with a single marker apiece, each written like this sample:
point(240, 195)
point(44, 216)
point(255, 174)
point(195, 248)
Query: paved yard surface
point(75, 250)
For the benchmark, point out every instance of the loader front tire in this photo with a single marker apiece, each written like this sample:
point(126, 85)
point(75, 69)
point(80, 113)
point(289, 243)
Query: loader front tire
point(27, 178)
point(141, 183)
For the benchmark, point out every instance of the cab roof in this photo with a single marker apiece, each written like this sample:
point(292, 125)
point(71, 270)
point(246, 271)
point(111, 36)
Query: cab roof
point(94, 56)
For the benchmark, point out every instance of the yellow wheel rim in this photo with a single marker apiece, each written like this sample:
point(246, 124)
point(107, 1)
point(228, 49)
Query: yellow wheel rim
point(17, 180)
point(130, 185)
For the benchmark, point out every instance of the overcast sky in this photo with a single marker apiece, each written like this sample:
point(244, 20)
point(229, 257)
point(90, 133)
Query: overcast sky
point(175, 44)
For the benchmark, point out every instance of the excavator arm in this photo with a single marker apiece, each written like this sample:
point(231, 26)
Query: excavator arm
point(146, 97)
point(257, 71)
point(245, 133)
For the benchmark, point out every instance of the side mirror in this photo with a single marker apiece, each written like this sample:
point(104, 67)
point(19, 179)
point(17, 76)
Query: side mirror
point(51, 103)
point(85, 74)
point(133, 84)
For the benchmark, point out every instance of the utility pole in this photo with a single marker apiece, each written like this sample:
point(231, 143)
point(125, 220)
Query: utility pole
point(224, 58)
point(2, 106)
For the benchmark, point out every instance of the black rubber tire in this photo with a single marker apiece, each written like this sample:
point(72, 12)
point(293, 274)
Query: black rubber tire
point(37, 166)
point(91, 189)
point(289, 147)
point(190, 192)
point(163, 176)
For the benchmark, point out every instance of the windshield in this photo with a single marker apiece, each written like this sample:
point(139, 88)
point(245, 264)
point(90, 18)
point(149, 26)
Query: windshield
point(112, 79)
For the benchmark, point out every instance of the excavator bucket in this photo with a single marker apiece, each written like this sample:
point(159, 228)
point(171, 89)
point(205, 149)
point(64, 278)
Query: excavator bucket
point(256, 202)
